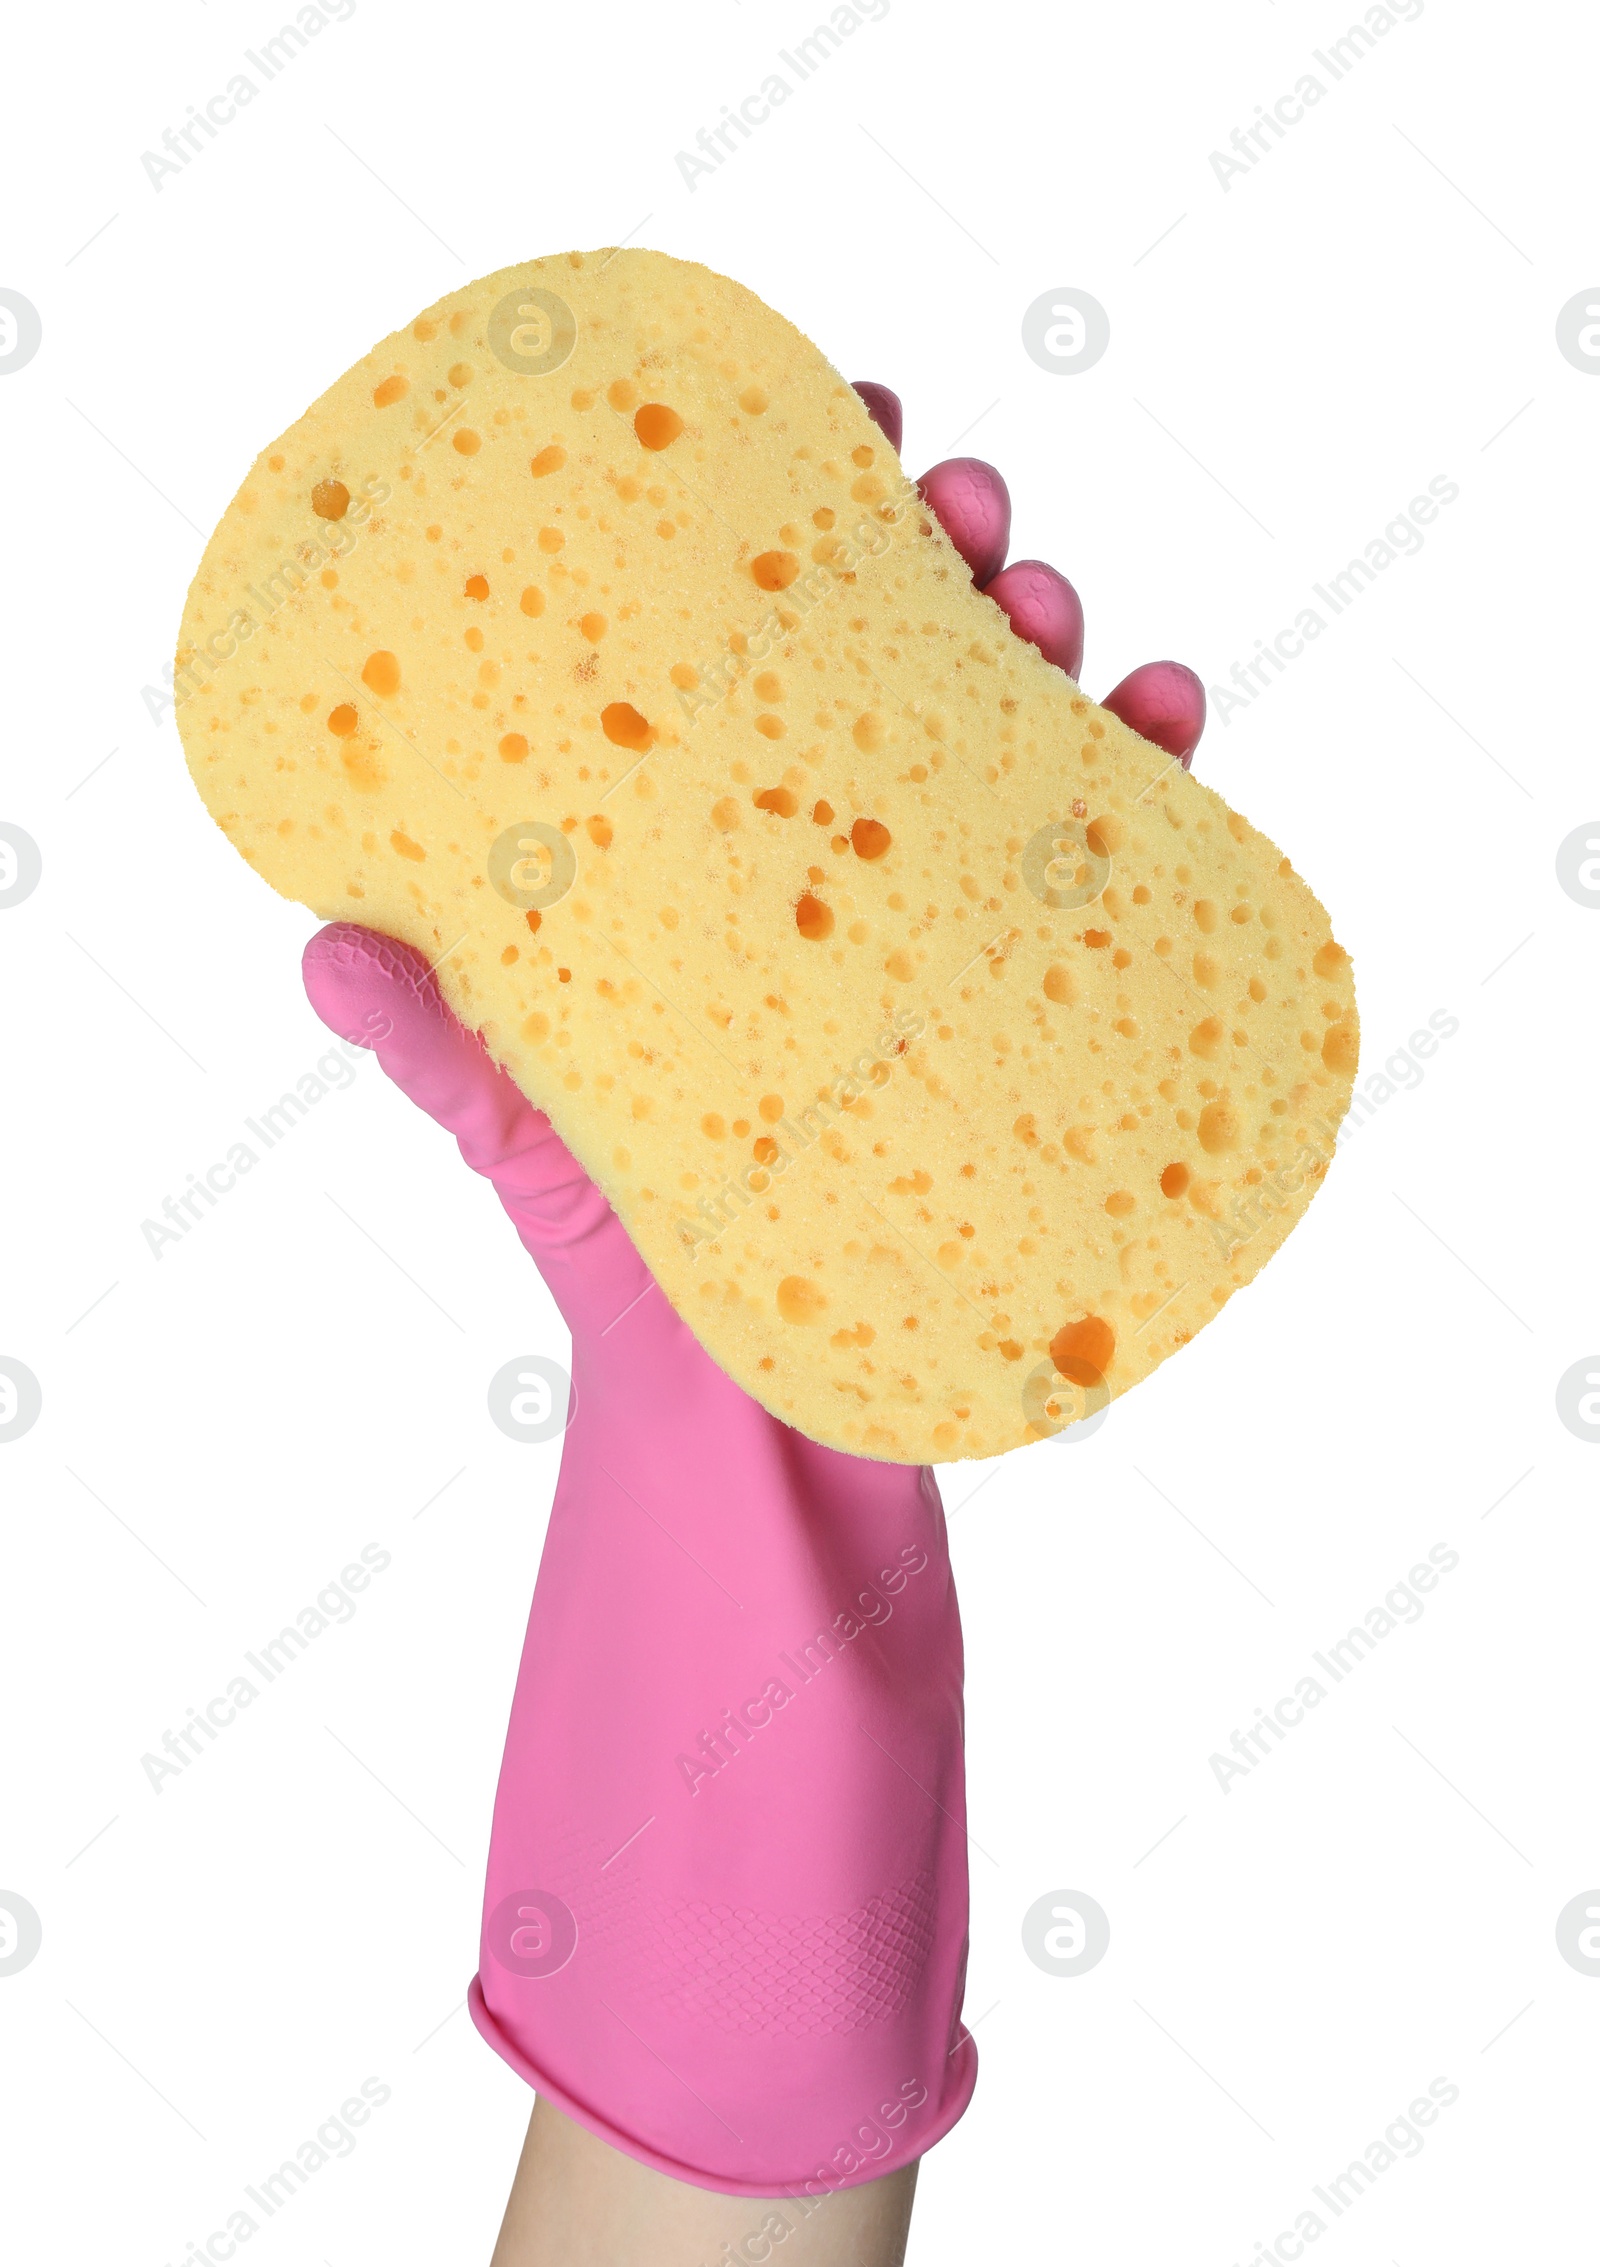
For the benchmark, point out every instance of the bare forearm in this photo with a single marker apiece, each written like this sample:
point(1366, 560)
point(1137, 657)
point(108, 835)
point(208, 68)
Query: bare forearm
point(577, 2202)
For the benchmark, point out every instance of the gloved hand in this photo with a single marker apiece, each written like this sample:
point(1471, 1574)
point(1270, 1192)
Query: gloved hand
point(726, 1909)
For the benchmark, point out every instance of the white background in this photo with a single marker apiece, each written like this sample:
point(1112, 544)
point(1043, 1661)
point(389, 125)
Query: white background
point(1292, 358)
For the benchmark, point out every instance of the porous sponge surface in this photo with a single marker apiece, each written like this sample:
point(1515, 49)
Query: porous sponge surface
point(950, 1054)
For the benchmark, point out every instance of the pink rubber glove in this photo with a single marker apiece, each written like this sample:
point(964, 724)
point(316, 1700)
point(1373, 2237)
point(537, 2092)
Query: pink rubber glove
point(726, 1908)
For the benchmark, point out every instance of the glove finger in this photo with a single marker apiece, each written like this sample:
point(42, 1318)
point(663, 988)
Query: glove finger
point(1162, 700)
point(973, 505)
point(1044, 608)
point(1166, 702)
point(883, 407)
point(377, 992)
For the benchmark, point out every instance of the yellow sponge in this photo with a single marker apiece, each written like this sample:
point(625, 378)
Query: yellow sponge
point(949, 1053)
